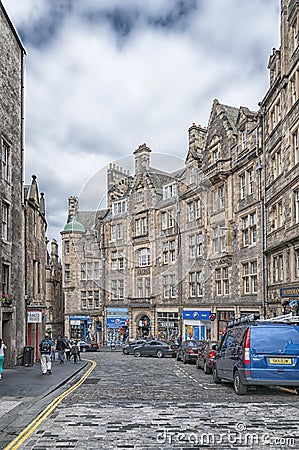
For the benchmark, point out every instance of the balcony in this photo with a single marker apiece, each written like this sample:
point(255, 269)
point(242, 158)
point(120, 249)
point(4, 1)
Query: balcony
point(219, 170)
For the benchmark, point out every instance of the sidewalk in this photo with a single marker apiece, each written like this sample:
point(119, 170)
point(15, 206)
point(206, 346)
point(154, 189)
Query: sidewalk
point(24, 392)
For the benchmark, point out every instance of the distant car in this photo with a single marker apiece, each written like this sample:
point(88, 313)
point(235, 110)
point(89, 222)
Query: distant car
point(187, 351)
point(88, 346)
point(129, 348)
point(155, 348)
point(206, 356)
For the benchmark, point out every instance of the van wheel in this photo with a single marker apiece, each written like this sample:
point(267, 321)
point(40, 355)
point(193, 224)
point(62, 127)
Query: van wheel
point(239, 387)
point(216, 379)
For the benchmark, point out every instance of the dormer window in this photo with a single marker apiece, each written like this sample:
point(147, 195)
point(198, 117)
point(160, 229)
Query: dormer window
point(215, 155)
point(169, 191)
point(191, 175)
point(119, 207)
point(244, 139)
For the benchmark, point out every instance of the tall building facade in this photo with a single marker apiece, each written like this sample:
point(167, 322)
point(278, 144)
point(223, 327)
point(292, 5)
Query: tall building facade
point(12, 311)
point(184, 252)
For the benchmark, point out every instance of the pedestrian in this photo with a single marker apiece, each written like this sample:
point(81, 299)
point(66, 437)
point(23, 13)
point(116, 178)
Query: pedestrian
point(60, 347)
point(74, 351)
point(67, 349)
point(53, 351)
point(45, 347)
point(2, 354)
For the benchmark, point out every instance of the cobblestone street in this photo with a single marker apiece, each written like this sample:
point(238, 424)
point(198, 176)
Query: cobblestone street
point(150, 403)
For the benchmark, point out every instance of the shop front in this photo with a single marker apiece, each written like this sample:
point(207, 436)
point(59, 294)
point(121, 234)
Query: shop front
point(80, 328)
point(167, 325)
point(117, 325)
point(290, 300)
point(196, 324)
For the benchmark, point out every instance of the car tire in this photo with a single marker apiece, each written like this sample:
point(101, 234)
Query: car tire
point(216, 379)
point(137, 353)
point(160, 353)
point(206, 369)
point(239, 387)
point(125, 351)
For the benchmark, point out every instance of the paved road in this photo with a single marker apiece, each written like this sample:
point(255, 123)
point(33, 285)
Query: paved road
point(150, 403)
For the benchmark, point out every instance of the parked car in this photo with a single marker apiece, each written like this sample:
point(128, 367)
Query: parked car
point(88, 346)
point(206, 355)
point(259, 352)
point(155, 348)
point(129, 348)
point(187, 351)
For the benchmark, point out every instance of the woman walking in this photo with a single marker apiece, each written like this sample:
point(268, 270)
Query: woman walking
point(2, 350)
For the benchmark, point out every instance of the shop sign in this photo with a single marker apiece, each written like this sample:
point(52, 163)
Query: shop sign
point(75, 322)
point(289, 292)
point(34, 317)
point(196, 315)
point(79, 318)
point(116, 322)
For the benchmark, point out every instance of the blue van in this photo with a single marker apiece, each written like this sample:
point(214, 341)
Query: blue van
point(259, 353)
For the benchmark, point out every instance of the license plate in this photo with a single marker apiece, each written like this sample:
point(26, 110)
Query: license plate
point(280, 361)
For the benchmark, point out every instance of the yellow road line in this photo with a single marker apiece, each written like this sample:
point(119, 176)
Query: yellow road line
point(24, 435)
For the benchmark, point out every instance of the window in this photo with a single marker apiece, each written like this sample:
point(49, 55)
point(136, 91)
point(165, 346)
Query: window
point(222, 281)
point(96, 270)
point(143, 287)
point(83, 299)
point(5, 279)
point(113, 232)
point(249, 271)
point(295, 141)
point(297, 262)
point(167, 219)
point(83, 271)
point(278, 269)
point(199, 245)
point(144, 258)
point(249, 229)
point(195, 284)
point(96, 299)
point(294, 39)
point(278, 219)
point(117, 260)
point(90, 300)
point(219, 239)
point(5, 161)
point(169, 254)
point(244, 139)
point(275, 115)
point(191, 175)
point(67, 273)
point(276, 164)
point(192, 250)
point(67, 247)
point(141, 226)
point(194, 210)
point(5, 221)
point(296, 205)
point(119, 207)
point(169, 191)
point(219, 198)
point(117, 289)
point(169, 286)
point(215, 156)
point(294, 88)
point(119, 231)
point(247, 183)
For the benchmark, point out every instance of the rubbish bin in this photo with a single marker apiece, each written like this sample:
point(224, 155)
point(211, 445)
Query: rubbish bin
point(28, 356)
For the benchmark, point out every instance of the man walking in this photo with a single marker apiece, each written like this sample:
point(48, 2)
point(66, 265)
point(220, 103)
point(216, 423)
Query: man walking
point(60, 347)
point(45, 347)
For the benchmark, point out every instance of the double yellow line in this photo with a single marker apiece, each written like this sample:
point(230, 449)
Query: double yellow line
point(24, 435)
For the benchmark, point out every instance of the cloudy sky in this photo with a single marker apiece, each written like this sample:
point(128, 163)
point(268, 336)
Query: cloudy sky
point(104, 76)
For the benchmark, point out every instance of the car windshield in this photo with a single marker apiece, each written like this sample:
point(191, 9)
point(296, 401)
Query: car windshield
point(193, 343)
point(283, 339)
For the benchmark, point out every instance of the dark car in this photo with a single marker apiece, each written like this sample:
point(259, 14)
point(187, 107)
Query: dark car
point(206, 356)
point(259, 353)
point(129, 348)
point(187, 351)
point(88, 346)
point(155, 348)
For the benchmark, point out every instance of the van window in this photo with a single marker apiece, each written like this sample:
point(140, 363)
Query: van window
point(282, 339)
point(227, 341)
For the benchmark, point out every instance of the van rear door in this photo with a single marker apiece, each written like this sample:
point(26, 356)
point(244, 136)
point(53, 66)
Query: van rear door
point(274, 352)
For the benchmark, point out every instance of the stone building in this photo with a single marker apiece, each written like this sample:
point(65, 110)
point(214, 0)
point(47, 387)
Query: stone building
point(12, 311)
point(280, 133)
point(35, 264)
point(54, 319)
point(184, 252)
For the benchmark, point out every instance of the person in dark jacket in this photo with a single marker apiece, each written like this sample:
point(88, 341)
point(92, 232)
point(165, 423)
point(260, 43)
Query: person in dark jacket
point(60, 347)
